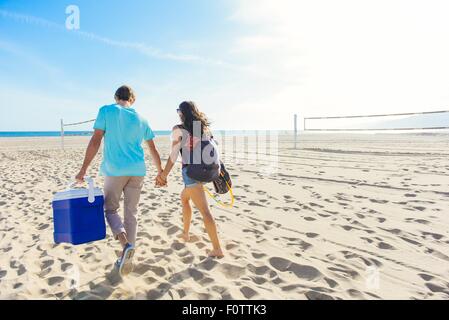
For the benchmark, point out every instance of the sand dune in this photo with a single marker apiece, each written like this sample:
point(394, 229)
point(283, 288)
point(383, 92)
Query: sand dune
point(343, 217)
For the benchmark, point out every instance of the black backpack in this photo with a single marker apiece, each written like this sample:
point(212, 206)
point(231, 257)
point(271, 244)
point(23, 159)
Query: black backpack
point(204, 163)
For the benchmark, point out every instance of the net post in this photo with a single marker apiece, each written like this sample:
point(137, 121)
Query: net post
point(62, 134)
point(257, 145)
point(295, 124)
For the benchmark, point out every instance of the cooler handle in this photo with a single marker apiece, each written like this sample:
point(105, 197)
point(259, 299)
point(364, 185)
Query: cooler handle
point(90, 182)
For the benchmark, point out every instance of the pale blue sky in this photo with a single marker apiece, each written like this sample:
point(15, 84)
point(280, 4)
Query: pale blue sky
point(249, 64)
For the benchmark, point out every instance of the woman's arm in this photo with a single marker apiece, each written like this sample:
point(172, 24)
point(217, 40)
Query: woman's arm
point(92, 149)
point(174, 152)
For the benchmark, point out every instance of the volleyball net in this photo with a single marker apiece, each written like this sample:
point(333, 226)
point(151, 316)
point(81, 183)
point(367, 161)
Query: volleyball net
point(429, 120)
point(64, 125)
point(388, 122)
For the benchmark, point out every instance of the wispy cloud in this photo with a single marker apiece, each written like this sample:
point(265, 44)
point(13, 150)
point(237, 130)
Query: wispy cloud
point(141, 48)
point(23, 18)
point(28, 57)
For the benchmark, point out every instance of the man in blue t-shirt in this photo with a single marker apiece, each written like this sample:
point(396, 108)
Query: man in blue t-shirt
point(123, 166)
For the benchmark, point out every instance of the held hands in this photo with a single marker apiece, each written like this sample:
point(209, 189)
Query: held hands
point(161, 179)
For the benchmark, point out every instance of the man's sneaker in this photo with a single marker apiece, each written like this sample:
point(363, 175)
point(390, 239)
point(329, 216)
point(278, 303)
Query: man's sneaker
point(125, 263)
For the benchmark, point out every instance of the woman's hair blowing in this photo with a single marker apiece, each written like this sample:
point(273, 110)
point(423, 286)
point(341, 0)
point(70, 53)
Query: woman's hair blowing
point(190, 114)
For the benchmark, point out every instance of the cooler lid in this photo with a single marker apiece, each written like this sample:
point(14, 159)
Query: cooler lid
point(75, 194)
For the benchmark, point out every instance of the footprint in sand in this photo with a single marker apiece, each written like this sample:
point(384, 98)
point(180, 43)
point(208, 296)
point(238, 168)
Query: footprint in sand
point(208, 264)
point(258, 255)
point(385, 246)
point(314, 295)
point(248, 293)
point(297, 242)
point(43, 226)
point(269, 223)
point(231, 246)
point(54, 280)
point(188, 259)
point(426, 277)
point(410, 195)
point(66, 266)
point(435, 236)
point(378, 201)
point(20, 267)
point(17, 285)
point(312, 235)
point(164, 251)
point(301, 271)
point(195, 274)
point(47, 263)
point(437, 288)
point(262, 270)
point(172, 230)
point(421, 221)
point(344, 271)
point(200, 245)
point(258, 280)
point(178, 246)
point(331, 283)
point(143, 268)
point(231, 271)
point(254, 204)
point(154, 294)
point(366, 260)
point(355, 294)
point(367, 239)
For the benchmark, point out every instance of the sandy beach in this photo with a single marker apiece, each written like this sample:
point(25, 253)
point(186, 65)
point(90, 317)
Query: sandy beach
point(341, 217)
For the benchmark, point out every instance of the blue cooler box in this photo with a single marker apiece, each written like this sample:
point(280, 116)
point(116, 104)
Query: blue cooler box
point(78, 215)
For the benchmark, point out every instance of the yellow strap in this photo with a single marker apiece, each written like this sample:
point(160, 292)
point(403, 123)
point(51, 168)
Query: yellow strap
point(225, 205)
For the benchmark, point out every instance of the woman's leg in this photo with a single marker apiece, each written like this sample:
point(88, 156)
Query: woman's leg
point(198, 197)
point(186, 214)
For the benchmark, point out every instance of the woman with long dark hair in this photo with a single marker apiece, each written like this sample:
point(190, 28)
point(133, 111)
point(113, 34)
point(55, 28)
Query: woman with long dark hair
point(193, 128)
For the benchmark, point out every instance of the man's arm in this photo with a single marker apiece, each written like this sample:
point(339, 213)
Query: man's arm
point(92, 149)
point(155, 155)
point(174, 153)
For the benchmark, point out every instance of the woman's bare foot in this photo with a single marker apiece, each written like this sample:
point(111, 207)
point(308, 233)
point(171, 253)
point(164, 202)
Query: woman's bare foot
point(216, 253)
point(185, 237)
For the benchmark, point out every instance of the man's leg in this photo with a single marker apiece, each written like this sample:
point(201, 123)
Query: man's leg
point(132, 192)
point(113, 189)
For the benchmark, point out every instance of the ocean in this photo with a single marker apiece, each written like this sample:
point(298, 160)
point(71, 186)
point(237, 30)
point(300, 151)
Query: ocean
point(16, 134)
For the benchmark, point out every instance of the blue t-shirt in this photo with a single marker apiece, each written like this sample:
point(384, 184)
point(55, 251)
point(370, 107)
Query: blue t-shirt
point(125, 131)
